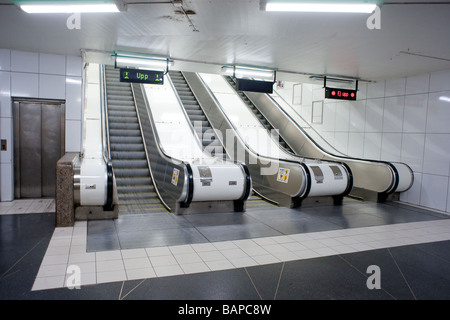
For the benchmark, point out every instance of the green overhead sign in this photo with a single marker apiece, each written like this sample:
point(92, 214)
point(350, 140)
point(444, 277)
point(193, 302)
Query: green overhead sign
point(141, 76)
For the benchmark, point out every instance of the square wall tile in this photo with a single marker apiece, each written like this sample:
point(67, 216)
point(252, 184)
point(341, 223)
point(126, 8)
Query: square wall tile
point(5, 59)
point(438, 112)
point(52, 64)
point(374, 115)
point(73, 98)
point(22, 61)
point(341, 142)
point(417, 84)
point(342, 116)
point(357, 118)
point(356, 145)
point(393, 114)
point(415, 113)
point(375, 89)
point(6, 182)
point(74, 66)
point(440, 81)
point(307, 93)
point(5, 107)
point(329, 116)
point(437, 154)
point(52, 86)
point(413, 194)
point(372, 146)
point(391, 146)
point(24, 85)
point(6, 132)
point(434, 192)
point(5, 94)
point(73, 136)
point(412, 150)
point(395, 87)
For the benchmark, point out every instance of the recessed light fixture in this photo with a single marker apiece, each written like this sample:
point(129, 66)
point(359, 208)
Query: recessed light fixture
point(68, 7)
point(348, 6)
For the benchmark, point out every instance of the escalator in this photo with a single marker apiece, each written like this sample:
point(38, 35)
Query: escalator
point(267, 125)
point(202, 126)
point(278, 175)
point(374, 180)
point(135, 189)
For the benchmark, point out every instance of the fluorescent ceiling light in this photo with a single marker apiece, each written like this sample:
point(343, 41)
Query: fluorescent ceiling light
point(247, 72)
point(142, 62)
point(321, 7)
point(69, 8)
point(444, 98)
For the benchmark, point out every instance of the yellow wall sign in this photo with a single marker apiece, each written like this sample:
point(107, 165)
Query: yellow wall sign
point(283, 175)
point(175, 175)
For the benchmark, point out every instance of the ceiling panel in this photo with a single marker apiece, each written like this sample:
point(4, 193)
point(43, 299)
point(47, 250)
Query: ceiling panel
point(413, 39)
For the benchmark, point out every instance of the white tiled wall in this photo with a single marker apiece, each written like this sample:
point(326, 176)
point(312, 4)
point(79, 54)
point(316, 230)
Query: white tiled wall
point(405, 119)
point(37, 75)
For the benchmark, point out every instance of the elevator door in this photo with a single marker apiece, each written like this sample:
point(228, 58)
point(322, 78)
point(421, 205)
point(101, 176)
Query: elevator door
point(38, 145)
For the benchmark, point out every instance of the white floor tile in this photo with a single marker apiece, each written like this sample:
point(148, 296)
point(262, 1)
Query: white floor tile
point(266, 259)
point(111, 276)
point(134, 253)
point(134, 274)
point(219, 265)
point(48, 283)
point(137, 263)
point(109, 265)
point(211, 255)
point(108, 255)
point(194, 267)
point(172, 270)
point(52, 270)
point(240, 262)
point(161, 261)
point(158, 251)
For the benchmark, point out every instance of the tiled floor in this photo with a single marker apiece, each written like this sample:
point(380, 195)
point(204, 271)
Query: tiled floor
point(265, 253)
point(68, 248)
point(21, 206)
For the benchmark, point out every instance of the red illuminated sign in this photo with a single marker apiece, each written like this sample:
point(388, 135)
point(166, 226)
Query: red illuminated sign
point(342, 94)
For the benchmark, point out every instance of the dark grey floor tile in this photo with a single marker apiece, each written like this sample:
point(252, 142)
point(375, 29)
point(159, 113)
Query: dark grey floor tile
point(220, 285)
point(327, 278)
point(236, 232)
point(165, 237)
point(266, 279)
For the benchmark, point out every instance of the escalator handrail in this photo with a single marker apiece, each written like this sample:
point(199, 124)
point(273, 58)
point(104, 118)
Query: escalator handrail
point(105, 140)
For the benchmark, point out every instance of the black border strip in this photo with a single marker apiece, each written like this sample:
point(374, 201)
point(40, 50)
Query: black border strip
point(248, 182)
point(110, 186)
point(190, 177)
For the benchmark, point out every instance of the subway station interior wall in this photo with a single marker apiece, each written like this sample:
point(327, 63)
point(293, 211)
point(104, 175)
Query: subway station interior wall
point(405, 119)
point(37, 75)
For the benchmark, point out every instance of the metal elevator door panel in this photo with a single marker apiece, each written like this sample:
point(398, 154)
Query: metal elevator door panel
point(51, 146)
point(38, 145)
